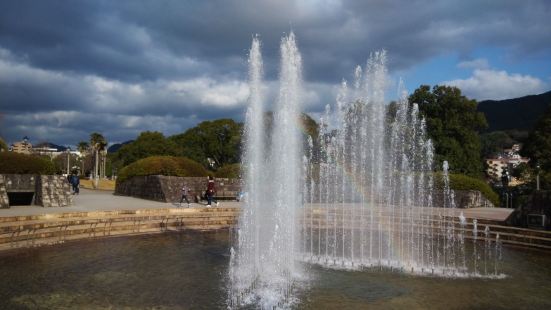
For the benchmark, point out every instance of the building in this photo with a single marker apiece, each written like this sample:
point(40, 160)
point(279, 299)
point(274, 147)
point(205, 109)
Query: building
point(46, 151)
point(505, 162)
point(23, 147)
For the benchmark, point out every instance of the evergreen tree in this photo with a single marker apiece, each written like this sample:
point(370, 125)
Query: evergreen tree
point(218, 140)
point(453, 124)
point(148, 143)
point(538, 149)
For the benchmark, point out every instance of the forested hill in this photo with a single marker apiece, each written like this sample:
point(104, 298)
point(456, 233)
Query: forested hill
point(518, 113)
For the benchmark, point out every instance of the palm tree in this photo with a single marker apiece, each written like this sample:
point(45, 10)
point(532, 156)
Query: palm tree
point(82, 147)
point(98, 143)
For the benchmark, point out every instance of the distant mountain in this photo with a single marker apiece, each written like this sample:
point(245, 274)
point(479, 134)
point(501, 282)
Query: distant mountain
point(60, 148)
point(115, 147)
point(518, 113)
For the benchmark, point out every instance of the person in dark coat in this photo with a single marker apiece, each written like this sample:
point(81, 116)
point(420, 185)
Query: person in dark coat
point(75, 182)
point(211, 191)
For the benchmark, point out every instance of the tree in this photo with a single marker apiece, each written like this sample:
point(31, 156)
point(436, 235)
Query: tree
point(3, 145)
point(60, 162)
point(523, 172)
point(218, 140)
point(494, 142)
point(538, 149)
point(98, 143)
point(148, 143)
point(83, 147)
point(453, 124)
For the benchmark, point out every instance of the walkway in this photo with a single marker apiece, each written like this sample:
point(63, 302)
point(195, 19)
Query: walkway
point(92, 200)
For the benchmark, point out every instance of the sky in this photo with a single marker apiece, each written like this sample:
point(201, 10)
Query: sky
point(69, 68)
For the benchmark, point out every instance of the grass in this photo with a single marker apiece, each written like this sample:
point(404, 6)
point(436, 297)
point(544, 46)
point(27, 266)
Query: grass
point(102, 185)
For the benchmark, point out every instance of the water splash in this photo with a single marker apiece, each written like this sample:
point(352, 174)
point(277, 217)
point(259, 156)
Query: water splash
point(264, 269)
point(363, 194)
point(383, 205)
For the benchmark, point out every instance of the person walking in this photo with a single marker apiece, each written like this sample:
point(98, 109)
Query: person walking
point(75, 182)
point(210, 192)
point(185, 191)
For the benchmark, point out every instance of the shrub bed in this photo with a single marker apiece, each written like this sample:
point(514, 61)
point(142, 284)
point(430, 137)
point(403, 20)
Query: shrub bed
point(466, 183)
point(231, 171)
point(163, 165)
point(16, 163)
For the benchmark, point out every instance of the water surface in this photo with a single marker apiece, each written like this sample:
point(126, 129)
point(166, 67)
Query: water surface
point(187, 271)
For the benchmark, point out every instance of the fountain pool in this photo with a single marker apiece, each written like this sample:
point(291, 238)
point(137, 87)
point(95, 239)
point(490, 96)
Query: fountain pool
point(188, 271)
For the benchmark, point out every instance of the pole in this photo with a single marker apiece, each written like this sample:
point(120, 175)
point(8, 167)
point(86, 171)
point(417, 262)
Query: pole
point(96, 179)
point(538, 177)
point(68, 160)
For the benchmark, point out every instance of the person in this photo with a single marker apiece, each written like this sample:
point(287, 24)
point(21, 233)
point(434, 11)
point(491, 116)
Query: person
point(185, 191)
point(210, 192)
point(75, 182)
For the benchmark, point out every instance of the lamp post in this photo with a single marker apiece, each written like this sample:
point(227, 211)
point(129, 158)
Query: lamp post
point(505, 184)
point(538, 177)
point(68, 150)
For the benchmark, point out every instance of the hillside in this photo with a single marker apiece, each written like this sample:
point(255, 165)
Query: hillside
point(115, 147)
point(518, 113)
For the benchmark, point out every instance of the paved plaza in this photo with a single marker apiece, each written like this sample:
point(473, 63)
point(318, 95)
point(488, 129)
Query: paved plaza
point(94, 200)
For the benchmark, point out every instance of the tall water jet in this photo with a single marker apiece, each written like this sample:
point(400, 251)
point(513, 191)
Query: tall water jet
point(263, 269)
point(380, 209)
point(363, 194)
point(245, 265)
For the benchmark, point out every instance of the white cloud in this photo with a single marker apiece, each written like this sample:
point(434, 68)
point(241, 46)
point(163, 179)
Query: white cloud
point(211, 92)
point(498, 84)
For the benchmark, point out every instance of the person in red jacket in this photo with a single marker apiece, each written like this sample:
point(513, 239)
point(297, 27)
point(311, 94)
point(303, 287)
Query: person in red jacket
point(211, 191)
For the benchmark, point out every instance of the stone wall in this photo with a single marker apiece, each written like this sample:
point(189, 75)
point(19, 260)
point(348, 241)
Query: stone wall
point(53, 191)
point(168, 188)
point(48, 190)
point(465, 199)
point(4, 202)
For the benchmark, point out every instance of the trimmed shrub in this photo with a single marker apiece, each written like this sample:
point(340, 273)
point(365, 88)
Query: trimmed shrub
point(16, 163)
point(229, 171)
point(466, 183)
point(163, 165)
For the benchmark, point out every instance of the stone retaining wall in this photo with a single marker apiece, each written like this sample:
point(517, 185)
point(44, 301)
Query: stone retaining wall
point(4, 202)
point(38, 230)
point(169, 188)
point(48, 190)
point(465, 199)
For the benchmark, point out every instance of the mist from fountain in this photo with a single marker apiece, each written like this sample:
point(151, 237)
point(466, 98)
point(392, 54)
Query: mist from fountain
point(264, 268)
point(362, 194)
point(372, 189)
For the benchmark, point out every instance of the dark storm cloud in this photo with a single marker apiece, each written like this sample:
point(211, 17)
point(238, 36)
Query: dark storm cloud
point(170, 64)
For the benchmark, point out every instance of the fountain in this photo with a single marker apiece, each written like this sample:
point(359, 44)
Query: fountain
point(264, 267)
point(361, 195)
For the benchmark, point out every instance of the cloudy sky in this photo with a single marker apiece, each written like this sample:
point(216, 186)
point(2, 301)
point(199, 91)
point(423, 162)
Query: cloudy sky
point(68, 68)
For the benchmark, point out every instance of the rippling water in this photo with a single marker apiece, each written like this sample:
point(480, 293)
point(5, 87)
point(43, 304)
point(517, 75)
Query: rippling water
point(186, 271)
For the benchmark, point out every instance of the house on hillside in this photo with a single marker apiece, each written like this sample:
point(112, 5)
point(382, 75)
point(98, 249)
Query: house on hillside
point(23, 146)
point(505, 162)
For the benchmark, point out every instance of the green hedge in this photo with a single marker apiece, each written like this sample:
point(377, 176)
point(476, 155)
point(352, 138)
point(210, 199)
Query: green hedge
point(229, 171)
point(465, 183)
point(16, 163)
point(163, 165)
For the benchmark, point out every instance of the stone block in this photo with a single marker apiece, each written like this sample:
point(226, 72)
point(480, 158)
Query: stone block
point(168, 188)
